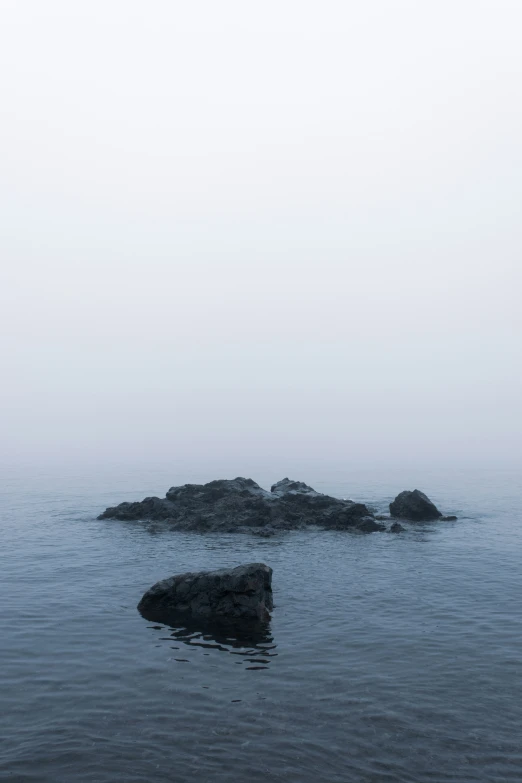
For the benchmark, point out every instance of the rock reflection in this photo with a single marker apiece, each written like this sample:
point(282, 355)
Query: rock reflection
point(254, 644)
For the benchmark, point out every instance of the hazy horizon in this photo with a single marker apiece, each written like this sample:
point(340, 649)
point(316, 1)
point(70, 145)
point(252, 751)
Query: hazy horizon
point(238, 234)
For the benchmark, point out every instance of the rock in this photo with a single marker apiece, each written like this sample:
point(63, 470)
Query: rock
point(216, 490)
point(354, 517)
point(287, 486)
point(382, 517)
point(450, 518)
point(230, 595)
point(241, 505)
point(396, 528)
point(369, 525)
point(149, 508)
point(415, 506)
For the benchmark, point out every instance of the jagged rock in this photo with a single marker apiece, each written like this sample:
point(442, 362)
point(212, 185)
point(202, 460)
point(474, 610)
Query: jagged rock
point(241, 505)
point(396, 528)
point(230, 595)
point(216, 490)
point(415, 506)
point(287, 486)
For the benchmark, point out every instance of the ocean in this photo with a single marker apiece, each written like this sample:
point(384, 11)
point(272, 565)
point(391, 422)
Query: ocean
point(389, 659)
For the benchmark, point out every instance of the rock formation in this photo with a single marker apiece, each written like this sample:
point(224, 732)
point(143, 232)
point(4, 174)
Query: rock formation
point(241, 505)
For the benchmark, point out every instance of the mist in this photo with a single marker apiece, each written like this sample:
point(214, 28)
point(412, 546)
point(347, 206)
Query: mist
point(238, 234)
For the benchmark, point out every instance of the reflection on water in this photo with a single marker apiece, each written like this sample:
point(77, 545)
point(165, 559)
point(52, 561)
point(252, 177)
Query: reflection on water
point(253, 645)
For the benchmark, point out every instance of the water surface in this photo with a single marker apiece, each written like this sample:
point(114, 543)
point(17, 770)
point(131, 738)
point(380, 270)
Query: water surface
point(390, 658)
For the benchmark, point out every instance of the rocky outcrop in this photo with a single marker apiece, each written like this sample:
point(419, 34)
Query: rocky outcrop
point(230, 595)
point(241, 505)
point(415, 506)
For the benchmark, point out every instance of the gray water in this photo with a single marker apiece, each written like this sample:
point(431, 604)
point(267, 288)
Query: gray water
point(390, 658)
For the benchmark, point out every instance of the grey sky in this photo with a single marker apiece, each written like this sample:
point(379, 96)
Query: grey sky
point(281, 228)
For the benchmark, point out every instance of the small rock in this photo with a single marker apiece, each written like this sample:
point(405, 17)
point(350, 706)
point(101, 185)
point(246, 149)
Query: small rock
point(369, 525)
point(242, 594)
point(450, 518)
point(415, 506)
point(396, 528)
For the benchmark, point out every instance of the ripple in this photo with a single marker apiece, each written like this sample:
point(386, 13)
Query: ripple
point(388, 659)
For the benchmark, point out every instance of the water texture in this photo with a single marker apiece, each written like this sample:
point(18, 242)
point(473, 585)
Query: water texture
point(390, 658)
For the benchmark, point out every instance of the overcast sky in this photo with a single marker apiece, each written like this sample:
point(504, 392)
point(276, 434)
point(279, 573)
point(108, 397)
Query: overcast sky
point(283, 229)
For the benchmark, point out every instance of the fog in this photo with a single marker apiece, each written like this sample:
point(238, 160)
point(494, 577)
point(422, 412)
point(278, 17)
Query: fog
point(250, 232)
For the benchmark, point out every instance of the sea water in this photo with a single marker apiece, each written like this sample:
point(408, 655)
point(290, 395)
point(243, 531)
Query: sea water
point(389, 659)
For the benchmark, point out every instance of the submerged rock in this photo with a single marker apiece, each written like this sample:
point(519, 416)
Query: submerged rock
point(241, 505)
point(230, 595)
point(415, 506)
point(396, 528)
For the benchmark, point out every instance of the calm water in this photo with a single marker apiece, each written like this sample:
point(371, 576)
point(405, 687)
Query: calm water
point(390, 659)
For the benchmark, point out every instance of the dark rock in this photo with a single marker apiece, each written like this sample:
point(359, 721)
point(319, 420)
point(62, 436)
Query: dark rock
point(216, 490)
point(241, 505)
point(450, 518)
point(149, 508)
point(287, 486)
point(230, 595)
point(396, 528)
point(382, 517)
point(415, 506)
point(353, 516)
point(369, 525)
